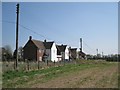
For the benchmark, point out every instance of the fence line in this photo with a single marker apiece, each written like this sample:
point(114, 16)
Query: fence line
point(31, 65)
point(25, 66)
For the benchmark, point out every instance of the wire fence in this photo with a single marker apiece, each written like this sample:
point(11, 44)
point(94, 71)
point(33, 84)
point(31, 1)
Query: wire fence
point(31, 65)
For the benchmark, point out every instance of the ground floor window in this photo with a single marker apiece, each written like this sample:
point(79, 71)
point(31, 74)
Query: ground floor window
point(40, 58)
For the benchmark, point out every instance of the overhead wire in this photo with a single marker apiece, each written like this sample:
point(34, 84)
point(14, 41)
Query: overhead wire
point(90, 49)
point(26, 28)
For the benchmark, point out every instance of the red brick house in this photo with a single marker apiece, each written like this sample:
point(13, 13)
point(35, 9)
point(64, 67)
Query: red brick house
point(34, 50)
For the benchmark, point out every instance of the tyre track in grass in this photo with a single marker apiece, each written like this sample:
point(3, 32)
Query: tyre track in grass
point(101, 79)
point(110, 79)
point(63, 81)
point(89, 78)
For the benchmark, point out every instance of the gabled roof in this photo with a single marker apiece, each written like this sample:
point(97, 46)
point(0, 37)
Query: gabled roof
point(72, 49)
point(48, 45)
point(82, 53)
point(58, 50)
point(39, 44)
point(61, 48)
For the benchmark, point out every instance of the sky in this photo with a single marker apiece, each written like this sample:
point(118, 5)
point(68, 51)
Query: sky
point(65, 23)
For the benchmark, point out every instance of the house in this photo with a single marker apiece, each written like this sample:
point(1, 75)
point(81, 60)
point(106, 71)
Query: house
point(81, 55)
point(59, 56)
point(51, 50)
point(40, 51)
point(63, 52)
point(72, 53)
point(33, 50)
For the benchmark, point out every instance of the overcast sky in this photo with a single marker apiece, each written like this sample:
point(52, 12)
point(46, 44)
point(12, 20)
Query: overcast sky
point(65, 23)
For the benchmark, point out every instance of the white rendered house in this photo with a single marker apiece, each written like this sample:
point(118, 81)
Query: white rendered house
point(63, 51)
point(51, 51)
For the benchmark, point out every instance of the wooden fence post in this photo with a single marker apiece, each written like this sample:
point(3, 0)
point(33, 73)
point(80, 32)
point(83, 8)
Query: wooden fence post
point(54, 62)
point(38, 65)
point(14, 65)
point(28, 64)
point(47, 62)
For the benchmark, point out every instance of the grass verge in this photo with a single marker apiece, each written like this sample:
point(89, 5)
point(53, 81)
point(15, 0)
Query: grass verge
point(13, 79)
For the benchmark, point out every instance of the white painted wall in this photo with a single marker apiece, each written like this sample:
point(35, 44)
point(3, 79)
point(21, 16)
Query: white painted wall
point(66, 53)
point(54, 53)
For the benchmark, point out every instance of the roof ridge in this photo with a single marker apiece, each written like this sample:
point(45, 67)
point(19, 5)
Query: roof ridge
point(36, 40)
point(38, 43)
point(48, 42)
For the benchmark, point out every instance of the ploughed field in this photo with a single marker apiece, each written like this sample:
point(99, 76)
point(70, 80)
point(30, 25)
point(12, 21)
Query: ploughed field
point(81, 74)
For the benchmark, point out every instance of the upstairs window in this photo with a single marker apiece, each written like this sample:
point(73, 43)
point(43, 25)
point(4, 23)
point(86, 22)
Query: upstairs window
point(39, 50)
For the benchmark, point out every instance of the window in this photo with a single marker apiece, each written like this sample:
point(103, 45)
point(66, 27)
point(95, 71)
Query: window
point(39, 50)
point(40, 58)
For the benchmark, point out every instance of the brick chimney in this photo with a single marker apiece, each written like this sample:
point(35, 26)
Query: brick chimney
point(45, 40)
point(70, 47)
point(30, 37)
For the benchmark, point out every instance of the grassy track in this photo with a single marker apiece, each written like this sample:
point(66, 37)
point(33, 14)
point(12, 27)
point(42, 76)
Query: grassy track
point(93, 75)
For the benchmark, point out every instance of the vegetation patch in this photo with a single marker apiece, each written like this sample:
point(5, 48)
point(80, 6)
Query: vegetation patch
point(20, 78)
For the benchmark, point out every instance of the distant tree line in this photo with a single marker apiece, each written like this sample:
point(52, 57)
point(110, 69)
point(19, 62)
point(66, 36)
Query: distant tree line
point(112, 57)
point(8, 55)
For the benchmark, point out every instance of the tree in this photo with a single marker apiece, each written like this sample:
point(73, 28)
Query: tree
point(89, 56)
point(20, 52)
point(14, 54)
point(6, 53)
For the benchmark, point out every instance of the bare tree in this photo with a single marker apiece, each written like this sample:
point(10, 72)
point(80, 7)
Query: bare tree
point(20, 52)
point(6, 53)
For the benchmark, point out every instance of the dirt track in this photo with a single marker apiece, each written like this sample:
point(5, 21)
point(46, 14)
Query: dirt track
point(93, 78)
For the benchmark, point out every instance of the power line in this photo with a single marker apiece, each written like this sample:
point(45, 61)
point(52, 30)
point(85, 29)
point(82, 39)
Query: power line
point(26, 28)
point(33, 31)
point(89, 47)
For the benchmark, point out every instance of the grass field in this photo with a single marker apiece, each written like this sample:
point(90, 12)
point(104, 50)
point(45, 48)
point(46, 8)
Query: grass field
point(83, 74)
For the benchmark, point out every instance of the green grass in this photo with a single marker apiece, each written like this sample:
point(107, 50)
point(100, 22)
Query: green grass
point(20, 78)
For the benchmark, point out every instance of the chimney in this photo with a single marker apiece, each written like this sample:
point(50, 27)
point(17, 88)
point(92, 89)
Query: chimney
point(30, 37)
point(70, 47)
point(45, 40)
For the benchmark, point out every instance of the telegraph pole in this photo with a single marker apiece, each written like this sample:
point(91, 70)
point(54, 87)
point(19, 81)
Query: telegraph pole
point(17, 24)
point(97, 52)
